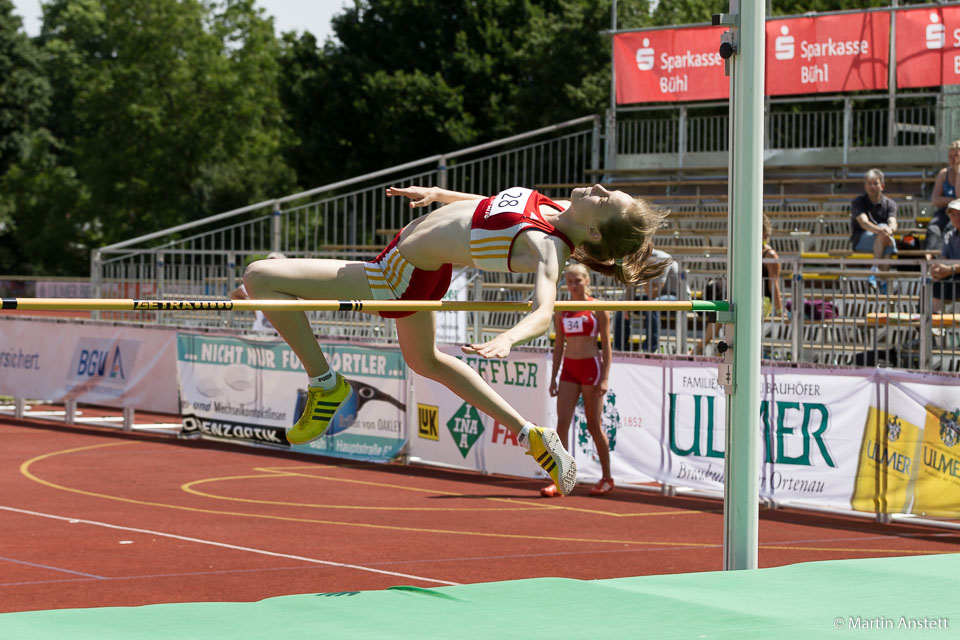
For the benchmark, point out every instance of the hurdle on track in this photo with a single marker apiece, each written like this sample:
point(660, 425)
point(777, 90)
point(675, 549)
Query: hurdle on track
point(130, 304)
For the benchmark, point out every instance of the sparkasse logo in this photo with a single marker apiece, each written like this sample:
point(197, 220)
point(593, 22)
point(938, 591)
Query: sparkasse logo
point(645, 56)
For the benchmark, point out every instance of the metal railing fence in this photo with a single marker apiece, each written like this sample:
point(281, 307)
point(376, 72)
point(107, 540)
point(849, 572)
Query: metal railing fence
point(350, 219)
point(848, 122)
point(834, 322)
point(835, 311)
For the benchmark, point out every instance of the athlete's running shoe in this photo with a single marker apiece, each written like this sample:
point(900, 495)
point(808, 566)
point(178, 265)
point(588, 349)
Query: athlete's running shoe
point(320, 410)
point(548, 451)
point(603, 487)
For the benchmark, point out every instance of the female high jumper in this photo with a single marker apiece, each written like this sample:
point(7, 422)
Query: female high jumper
point(517, 230)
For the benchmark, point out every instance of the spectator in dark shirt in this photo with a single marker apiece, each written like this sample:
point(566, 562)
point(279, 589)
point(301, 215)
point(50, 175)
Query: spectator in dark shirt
point(873, 221)
point(945, 191)
point(946, 277)
point(666, 287)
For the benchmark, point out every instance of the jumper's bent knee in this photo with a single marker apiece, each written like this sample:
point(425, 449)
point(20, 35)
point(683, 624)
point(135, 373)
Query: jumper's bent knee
point(254, 278)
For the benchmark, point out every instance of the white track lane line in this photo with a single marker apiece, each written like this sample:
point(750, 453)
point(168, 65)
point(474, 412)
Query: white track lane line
point(225, 545)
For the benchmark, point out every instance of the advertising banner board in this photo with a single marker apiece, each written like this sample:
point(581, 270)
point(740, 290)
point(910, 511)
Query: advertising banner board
point(453, 432)
point(928, 47)
point(253, 390)
point(910, 456)
point(827, 54)
point(665, 421)
point(670, 65)
point(109, 365)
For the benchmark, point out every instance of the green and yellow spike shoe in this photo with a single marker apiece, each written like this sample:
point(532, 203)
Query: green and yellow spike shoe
point(320, 410)
point(548, 451)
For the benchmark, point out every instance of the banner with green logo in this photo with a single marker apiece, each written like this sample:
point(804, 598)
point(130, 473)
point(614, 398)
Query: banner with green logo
point(873, 440)
point(451, 431)
point(252, 390)
point(666, 421)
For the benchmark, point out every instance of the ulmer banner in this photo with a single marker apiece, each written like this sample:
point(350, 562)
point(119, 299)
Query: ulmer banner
point(910, 454)
point(928, 47)
point(830, 53)
point(670, 65)
point(665, 420)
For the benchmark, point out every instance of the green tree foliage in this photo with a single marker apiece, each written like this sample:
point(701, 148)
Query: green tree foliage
point(409, 78)
point(37, 194)
point(128, 116)
point(168, 109)
point(688, 11)
point(670, 12)
point(24, 91)
point(793, 7)
point(46, 232)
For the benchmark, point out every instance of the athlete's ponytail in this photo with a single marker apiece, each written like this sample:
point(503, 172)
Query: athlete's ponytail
point(625, 246)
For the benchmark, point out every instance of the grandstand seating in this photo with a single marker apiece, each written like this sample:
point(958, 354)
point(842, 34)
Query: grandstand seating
point(809, 213)
point(810, 226)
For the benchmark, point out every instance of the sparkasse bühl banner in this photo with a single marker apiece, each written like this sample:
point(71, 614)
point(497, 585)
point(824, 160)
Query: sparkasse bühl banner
point(670, 65)
point(805, 55)
point(928, 47)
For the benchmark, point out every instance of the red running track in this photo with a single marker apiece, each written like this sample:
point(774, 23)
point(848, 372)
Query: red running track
point(93, 517)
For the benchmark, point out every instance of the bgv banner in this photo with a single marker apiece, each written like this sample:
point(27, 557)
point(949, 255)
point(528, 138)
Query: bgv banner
point(108, 365)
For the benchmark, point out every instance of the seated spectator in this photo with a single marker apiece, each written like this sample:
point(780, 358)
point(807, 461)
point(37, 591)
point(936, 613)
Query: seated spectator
point(873, 221)
point(944, 192)
point(946, 277)
point(772, 294)
point(666, 287)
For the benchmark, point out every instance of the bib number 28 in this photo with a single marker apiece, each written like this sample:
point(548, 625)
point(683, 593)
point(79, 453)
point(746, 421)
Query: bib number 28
point(511, 201)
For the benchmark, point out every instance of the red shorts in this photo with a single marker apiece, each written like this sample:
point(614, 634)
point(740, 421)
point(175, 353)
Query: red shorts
point(585, 371)
point(391, 277)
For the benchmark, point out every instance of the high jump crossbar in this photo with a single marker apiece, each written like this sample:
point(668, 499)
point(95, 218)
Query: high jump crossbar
point(131, 304)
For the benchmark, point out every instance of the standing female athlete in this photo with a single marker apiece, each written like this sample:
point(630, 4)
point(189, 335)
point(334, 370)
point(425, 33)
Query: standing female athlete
point(516, 230)
point(585, 371)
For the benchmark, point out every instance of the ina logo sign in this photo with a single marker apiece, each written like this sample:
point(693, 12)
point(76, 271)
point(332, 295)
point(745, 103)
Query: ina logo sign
point(465, 427)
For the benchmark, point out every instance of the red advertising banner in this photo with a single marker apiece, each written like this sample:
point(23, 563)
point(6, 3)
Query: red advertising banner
point(928, 47)
point(825, 54)
point(670, 65)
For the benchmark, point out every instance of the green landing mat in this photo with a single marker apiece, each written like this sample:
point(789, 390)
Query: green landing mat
point(910, 597)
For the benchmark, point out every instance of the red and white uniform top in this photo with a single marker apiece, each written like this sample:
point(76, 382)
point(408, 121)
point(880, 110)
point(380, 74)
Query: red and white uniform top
point(579, 323)
point(499, 220)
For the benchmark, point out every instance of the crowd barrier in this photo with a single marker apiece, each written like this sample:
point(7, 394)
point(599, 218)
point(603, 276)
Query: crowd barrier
point(882, 441)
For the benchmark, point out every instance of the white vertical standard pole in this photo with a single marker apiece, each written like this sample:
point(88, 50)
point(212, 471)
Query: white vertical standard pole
point(742, 459)
point(610, 140)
